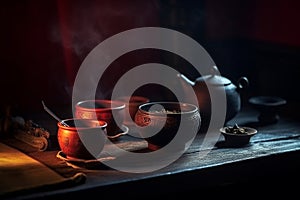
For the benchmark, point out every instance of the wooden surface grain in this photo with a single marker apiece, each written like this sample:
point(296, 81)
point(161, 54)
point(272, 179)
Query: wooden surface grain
point(270, 156)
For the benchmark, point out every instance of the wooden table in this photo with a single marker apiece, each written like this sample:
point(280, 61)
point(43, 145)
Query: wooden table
point(269, 161)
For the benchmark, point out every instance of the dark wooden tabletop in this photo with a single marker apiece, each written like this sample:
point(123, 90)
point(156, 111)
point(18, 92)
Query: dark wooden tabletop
point(270, 158)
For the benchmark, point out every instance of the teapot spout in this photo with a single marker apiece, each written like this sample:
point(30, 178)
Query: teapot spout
point(186, 80)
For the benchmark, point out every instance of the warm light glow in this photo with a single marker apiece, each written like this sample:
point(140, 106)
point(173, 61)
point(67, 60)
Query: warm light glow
point(19, 171)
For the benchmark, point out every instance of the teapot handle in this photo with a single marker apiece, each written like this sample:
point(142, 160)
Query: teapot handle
point(242, 83)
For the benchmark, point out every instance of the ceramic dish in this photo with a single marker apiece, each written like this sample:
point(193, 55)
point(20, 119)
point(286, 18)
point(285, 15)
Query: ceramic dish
point(237, 136)
point(268, 107)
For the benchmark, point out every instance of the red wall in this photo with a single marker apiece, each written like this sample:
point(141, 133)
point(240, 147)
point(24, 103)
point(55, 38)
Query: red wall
point(44, 42)
point(274, 21)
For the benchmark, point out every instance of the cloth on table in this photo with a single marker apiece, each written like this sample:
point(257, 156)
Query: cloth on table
point(21, 173)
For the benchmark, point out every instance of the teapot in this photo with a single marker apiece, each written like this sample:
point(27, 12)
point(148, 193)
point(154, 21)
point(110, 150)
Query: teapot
point(217, 83)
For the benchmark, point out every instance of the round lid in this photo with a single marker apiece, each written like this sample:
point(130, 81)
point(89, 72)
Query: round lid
point(215, 78)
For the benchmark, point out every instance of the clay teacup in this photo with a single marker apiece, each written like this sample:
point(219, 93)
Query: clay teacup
point(132, 104)
point(82, 138)
point(110, 111)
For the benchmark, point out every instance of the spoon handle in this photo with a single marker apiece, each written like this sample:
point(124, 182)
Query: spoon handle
point(53, 115)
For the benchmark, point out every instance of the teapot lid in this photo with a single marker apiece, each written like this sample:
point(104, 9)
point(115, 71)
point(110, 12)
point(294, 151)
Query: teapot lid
point(214, 78)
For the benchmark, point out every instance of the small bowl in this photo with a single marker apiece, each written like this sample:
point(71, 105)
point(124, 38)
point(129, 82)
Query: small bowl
point(82, 138)
point(238, 139)
point(159, 122)
point(268, 107)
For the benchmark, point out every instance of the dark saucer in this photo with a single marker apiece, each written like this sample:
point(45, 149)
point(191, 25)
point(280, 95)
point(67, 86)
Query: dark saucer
point(123, 131)
point(268, 107)
point(85, 163)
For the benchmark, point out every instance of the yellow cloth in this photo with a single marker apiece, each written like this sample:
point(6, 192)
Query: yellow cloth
point(20, 173)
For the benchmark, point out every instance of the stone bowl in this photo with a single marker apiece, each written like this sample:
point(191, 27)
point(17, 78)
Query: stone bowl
point(159, 122)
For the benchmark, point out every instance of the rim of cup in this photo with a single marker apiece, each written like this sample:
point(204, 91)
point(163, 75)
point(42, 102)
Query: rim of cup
point(107, 105)
point(193, 108)
point(95, 124)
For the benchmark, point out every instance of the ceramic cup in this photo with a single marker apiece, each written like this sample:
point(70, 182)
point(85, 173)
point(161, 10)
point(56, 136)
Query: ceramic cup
point(82, 138)
point(132, 104)
point(110, 111)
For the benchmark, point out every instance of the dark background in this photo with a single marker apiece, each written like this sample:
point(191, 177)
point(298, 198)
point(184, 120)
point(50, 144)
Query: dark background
point(43, 44)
